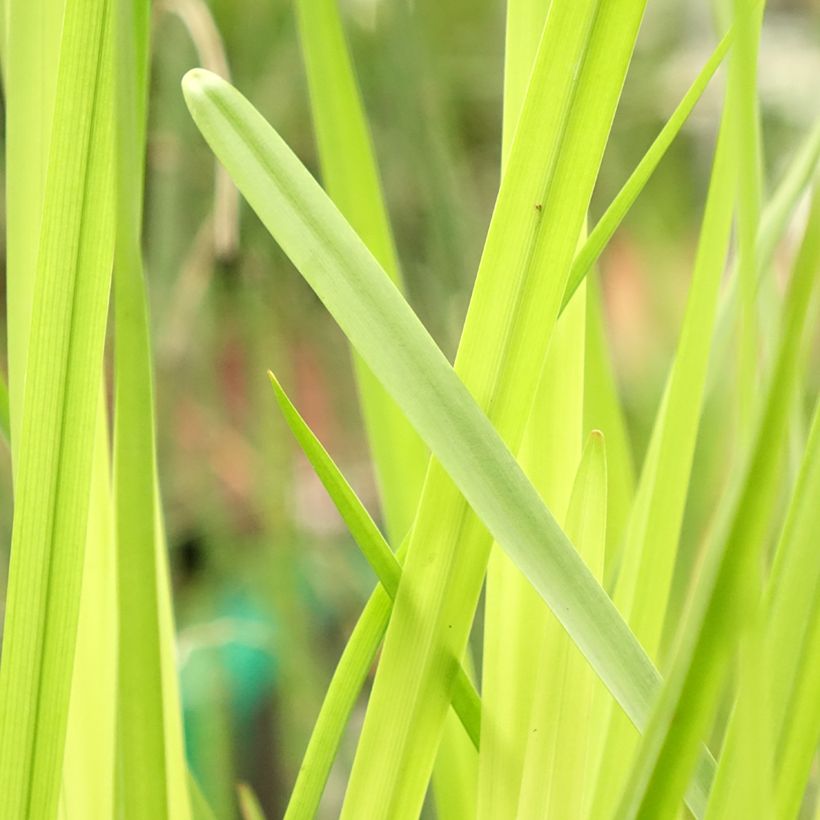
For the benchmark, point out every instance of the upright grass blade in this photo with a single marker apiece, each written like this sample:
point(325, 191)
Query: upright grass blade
point(325, 736)
point(179, 800)
point(727, 580)
point(30, 58)
point(153, 781)
point(357, 657)
point(54, 468)
point(651, 541)
point(550, 455)
point(520, 632)
point(798, 743)
point(340, 698)
point(748, 17)
point(790, 612)
point(539, 214)
point(455, 772)
point(748, 747)
point(351, 178)
point(141, 738)
point(773, 223)
point(30, 67)
point(554, 782)
point(619, 207)
point(365, 639)
point(507, 689)
point(90, 748)
point(398, 350)
point(371, 542)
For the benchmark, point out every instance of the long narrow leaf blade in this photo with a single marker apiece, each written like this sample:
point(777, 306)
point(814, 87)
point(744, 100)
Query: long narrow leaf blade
point(367, 535)
point(53, 473)
point(401, 353)
point(605, 229)
point(689, 694)
point(351, 179)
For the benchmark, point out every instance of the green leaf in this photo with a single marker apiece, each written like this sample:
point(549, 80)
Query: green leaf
point(550, 455)
point(153, 780)
point(90, 747)
point(773, 224)
point(510, 602)
point(144, 790)
point(798, 744)
point(556, 775)
point(651, 541)
point(727, 580)
point(605, 229)
point(356, 518)
point(30, 67)
point(748, 17)
point(56, 435)
point(341, 696)
point(351, 179)
point(368, 537)
point(791, 612)
point(350, 176)
point(401, 353)
point(537, 220)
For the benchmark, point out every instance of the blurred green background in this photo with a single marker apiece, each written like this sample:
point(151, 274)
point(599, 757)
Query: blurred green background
point(267, 582)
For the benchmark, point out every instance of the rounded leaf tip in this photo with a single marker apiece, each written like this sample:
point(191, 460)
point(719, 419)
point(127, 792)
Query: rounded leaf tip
point(196, 80)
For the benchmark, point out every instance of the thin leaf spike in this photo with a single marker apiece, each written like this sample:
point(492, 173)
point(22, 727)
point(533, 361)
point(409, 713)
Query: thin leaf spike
point(368, 537)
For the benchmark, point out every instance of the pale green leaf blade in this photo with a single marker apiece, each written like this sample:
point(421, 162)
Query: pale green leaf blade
point(358, 521)
point(791, 612)
point(340, 698)
point(798, 744)
point(368, 537)
point(748, 17)
point(550, 454)
point(90, 747)
point(651, 540)
point(351, 179)
point(63, 373)
point(773, 223)
point(509, 600)
point(723, 597)
point(154, 776)
point(606, 226)
point(30, 65)
point(398, 349)
point(556, 773)
point(539, 214)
